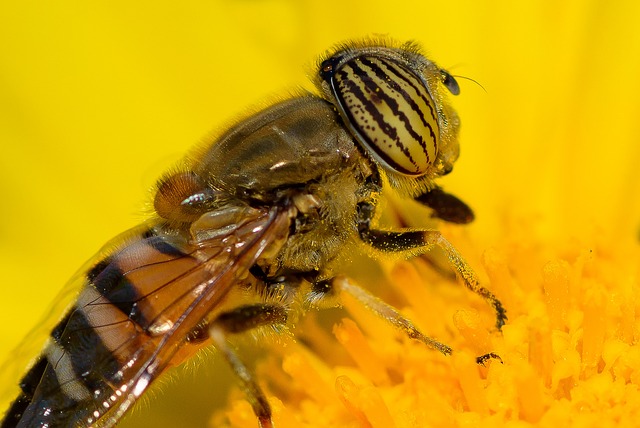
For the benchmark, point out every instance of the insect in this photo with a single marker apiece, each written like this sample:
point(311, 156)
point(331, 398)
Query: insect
point(249, 224)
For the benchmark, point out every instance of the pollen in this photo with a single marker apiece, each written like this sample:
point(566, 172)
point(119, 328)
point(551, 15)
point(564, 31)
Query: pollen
point(569, 349)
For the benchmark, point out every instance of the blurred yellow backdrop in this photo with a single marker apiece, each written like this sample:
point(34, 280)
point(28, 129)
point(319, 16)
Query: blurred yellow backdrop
point(98, 98)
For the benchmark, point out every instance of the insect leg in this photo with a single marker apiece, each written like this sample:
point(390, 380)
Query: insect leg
point(380, 308)
point(236, 321)
point(420, 241)
point(386, 312)
point(446, 206)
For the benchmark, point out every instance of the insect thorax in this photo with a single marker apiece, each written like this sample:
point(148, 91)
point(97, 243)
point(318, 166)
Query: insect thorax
point(296, 152)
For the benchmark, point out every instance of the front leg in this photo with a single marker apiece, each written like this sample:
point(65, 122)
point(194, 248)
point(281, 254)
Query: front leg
point(446, 206)
point(420, 241)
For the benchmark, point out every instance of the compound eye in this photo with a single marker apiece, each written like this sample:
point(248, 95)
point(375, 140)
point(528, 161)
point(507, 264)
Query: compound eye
point(390, 111)
point(450, 82)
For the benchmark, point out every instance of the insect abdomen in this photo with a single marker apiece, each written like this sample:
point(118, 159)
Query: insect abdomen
point(104, 338)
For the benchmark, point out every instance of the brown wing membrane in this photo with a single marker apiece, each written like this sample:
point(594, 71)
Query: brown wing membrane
point(132, 317)
point(13, 368)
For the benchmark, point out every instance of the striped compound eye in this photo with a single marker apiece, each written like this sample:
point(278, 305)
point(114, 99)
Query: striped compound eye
point(389, 110)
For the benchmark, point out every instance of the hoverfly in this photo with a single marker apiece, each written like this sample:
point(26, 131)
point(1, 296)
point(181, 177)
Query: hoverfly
point(266, 210)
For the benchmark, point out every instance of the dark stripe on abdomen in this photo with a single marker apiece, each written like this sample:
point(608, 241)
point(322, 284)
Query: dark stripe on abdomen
point(113, 285)
point(92, 362)
point(28, 385)
point(75, 373)
point(160, 244)
point(113, 279)
point(15, 412)
point(43, 403)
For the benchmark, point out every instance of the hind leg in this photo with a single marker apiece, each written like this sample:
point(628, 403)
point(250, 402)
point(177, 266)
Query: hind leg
point(242, 319)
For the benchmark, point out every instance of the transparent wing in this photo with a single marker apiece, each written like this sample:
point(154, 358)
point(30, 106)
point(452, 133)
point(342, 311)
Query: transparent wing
point(24, 355)
point(133, 316)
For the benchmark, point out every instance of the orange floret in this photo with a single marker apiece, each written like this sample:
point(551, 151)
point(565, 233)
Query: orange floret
point(569, 350)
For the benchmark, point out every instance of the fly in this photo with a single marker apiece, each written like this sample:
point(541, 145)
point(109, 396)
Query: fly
point(266, 210)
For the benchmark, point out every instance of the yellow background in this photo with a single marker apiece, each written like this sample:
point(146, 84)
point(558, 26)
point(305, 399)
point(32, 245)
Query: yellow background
point(98, 98)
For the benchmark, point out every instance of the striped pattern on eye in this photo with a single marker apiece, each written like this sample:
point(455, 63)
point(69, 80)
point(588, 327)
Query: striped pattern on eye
point(391, 111)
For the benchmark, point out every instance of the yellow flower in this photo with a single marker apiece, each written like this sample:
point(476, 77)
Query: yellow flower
point(98, 99)
point(569, 351)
